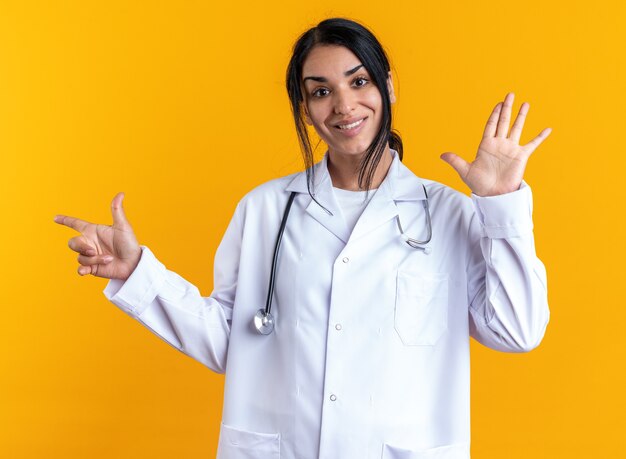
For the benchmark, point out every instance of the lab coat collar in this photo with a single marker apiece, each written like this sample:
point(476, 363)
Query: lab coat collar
point(403, 184)
point(400, 184)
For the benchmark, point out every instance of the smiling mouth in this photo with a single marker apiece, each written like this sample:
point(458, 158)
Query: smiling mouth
point(347, 127)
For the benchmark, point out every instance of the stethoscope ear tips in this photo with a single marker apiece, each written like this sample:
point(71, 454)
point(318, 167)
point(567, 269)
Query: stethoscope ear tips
point(427, 250)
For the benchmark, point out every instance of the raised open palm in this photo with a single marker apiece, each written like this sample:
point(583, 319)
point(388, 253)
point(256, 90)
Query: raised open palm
point(500, 161)
point(105, 251)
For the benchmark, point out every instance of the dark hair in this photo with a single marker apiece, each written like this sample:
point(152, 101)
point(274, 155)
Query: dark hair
point(359, 40)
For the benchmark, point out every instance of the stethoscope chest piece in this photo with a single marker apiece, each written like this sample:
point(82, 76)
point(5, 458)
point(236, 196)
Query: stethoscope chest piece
point(264, 322)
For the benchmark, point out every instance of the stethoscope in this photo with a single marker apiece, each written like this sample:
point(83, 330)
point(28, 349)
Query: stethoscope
point(264, 320)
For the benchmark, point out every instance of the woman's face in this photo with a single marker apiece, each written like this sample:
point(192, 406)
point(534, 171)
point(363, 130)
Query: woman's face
point(340, 99)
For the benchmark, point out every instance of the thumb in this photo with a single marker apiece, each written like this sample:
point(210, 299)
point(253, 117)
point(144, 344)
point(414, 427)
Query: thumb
point(119, 217)
point(458, 164)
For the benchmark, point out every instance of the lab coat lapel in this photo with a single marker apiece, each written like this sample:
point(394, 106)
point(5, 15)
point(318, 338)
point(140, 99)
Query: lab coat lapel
point(333, 220)
point(379, 210)
point(334, 223)
point(400, 184)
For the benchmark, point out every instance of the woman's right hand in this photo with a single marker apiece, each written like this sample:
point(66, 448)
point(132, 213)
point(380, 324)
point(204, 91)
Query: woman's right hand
point(105, 251)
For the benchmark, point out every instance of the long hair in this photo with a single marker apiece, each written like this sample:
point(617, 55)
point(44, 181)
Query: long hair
point(365, 46)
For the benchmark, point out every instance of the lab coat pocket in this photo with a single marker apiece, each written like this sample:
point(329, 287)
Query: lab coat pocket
point(243, 444)
point(457, 451)
point(421, 312)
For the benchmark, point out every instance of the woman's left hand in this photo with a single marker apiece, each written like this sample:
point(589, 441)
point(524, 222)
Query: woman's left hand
point(500, 162)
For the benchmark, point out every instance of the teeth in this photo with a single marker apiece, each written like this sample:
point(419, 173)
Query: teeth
point(350, 126)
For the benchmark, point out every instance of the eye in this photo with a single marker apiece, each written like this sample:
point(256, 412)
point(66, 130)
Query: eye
point(316, 93)
point(364, 80)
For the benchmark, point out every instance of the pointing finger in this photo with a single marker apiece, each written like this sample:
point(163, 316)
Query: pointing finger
point(74, 223)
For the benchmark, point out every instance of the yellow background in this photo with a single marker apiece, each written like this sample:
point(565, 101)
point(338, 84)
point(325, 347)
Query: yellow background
point(182, 106)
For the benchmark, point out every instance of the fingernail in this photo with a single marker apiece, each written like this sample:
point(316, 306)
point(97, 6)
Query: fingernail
point(108, 259)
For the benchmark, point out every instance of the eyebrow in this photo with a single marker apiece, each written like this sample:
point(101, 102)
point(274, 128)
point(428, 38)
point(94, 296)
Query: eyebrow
point(324, 80)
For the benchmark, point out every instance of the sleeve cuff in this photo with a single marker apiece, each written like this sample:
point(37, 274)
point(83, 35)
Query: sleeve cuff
point(506, 215)
point(136, 293)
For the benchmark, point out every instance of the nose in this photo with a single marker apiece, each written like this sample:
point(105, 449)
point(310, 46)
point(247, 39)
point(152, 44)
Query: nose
point(344, 101)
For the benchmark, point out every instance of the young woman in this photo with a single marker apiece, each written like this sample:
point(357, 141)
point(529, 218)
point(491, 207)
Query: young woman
point(345, 295)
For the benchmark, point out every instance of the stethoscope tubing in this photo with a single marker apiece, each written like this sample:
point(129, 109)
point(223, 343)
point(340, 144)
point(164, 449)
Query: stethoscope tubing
point(414, 242)
point(283, 223)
